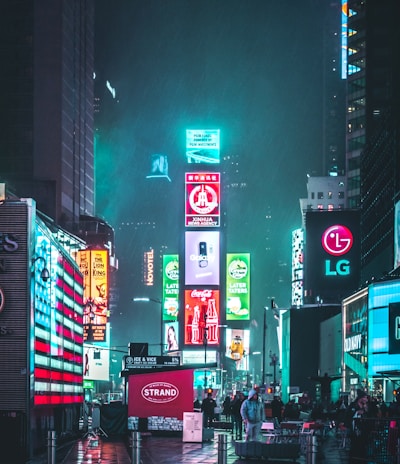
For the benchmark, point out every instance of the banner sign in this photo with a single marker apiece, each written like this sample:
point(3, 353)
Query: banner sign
point(203, 146)
point(149, 362)
point(202, 190)
point(238, 286)
point(170, 287)
point(93, 264)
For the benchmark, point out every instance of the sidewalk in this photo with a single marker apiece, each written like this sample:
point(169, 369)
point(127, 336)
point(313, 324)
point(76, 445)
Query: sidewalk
point(171, 450)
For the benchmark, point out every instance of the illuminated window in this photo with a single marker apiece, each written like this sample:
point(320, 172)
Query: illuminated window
point(320, 206)
point(330, 207)
point(330, 195)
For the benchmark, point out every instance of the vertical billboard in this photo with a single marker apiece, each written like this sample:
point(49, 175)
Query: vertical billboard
point(171, 336)
point(93, 264)
point(58, 340)
point(297, 267)
point(96, 359)
point(202, 258)
point(203, 146)
point(332, 255)
point(238, 286)
point(202, 316)
point(238, 347)
point(170, 287)
point(396, 263)
point(202, 199)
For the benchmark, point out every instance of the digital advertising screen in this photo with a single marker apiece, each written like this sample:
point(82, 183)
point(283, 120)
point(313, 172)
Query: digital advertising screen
point(202, 199)
point(170, 287)
point(202, 258)
point(94, 266)
point(238, 347)
point(171, 336)
point(203, 146)
point(58, 333)
point(332, 254)
point(96, 359)
point(202, 317)
point(238, 286)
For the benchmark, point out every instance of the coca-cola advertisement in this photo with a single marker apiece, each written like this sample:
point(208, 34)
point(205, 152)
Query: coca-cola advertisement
point(162, 394)
point(202, 316)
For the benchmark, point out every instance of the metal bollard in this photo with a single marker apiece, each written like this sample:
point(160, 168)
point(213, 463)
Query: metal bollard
point(135, 447)
point(51, 447)
point(312, 449)
point(398, 451)
point(222, 448)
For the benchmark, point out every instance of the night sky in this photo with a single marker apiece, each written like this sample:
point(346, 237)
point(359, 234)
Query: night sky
point(253, 69)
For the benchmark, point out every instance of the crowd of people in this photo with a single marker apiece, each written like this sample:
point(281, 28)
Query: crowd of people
point(247, 414)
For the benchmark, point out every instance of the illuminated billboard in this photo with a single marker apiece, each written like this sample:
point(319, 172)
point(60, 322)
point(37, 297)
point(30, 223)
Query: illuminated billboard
point(202, 202)
point(96, 359)
point(202, 258)
point(297, 267)
point(58, 333)
point(238, 347)
point(396, 263)
point(332, 255)
point(203, 146)
point(171, 336)
point(202, 316)
point(94, 266)
point(170, 287)
point(238, 286)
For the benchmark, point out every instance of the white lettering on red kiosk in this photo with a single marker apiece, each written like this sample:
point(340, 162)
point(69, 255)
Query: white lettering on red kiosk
point(160, 392)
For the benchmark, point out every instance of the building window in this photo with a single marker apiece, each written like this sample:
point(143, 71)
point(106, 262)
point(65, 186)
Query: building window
point(320, 206)
point(330, 207)
point(312, 195)
point(320, 195)
point(330, 195)
point(341, 195)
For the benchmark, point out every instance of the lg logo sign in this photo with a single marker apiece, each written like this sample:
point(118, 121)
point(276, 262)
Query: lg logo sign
point(337, 240)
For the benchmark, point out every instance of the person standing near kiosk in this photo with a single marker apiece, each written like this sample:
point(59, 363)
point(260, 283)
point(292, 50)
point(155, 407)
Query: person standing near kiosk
point(253, 414)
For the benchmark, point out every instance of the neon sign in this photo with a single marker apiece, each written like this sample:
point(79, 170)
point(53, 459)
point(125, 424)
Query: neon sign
point(337, 240)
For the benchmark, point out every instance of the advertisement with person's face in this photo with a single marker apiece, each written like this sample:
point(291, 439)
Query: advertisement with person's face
point(171, 336)
point(202, 258)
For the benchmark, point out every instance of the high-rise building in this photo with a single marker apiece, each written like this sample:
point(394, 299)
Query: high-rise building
point(373, 122)
point(46, 105)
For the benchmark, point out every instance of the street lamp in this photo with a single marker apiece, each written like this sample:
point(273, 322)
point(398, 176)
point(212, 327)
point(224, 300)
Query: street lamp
point(155, 300)
point(44, 274)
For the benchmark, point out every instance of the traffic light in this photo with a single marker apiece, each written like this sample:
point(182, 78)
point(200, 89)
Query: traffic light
point(269, 390)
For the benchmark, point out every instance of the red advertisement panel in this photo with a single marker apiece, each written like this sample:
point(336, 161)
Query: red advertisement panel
point(167, 394)
point(202, 317)
point(202, 199)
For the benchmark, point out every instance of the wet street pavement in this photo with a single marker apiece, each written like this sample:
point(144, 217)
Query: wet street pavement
point(172, 450)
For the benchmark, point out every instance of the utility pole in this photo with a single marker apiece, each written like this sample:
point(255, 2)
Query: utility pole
point(264, 346)
point(274, 360)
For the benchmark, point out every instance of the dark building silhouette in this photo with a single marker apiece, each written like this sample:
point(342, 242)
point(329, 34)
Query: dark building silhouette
point(46, 105)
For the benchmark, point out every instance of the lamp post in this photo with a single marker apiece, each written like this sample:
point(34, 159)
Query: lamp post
point(155, 300)
point(205, 343)
point(274, 360)
point(264, 345)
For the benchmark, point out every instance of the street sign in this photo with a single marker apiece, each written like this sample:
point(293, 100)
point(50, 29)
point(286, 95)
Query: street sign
point(148, 362)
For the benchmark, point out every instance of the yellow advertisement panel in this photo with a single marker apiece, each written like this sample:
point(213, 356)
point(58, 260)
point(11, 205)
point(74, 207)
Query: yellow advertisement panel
point(93, 264)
